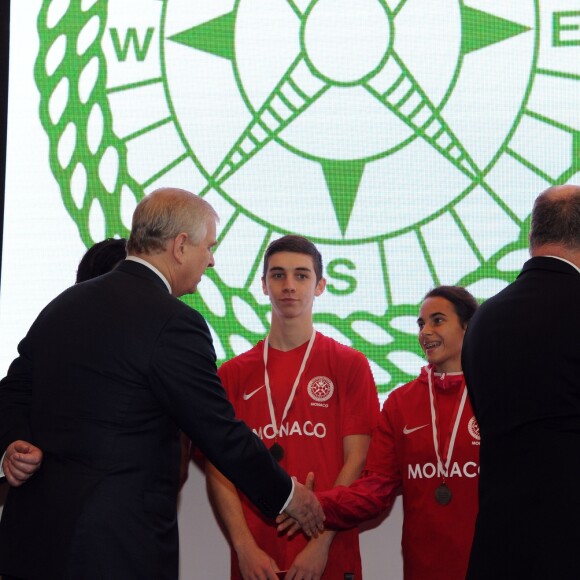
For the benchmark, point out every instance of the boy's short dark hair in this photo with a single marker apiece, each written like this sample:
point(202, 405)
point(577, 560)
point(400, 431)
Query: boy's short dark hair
point(298, 245)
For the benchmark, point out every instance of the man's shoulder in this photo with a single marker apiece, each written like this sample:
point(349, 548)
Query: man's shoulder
point(551, 268)
point(138, 290)
point(536, 272)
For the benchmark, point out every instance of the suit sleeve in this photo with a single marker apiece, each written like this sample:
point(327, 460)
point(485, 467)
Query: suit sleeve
point(184, 378)
point(16, 399)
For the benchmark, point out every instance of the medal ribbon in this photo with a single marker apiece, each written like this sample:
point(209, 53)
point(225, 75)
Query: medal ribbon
point(459, 412)
point(294, 387)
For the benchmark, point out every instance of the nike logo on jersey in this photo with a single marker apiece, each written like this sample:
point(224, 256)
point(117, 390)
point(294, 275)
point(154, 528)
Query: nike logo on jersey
point(407, 431)
point(246, 396)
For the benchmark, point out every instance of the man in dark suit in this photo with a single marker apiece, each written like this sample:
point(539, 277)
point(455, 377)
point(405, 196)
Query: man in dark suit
point(521, 359)
point(91, 409)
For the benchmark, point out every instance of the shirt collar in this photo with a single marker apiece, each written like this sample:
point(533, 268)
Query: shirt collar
point(151, 267)
point(567, 262)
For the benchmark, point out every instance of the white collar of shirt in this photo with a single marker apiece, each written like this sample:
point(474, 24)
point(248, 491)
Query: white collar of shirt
point(567, 262)
point(151, 267)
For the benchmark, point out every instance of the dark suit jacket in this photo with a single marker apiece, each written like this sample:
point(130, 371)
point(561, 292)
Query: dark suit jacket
point(107, 374)
point(521, 359)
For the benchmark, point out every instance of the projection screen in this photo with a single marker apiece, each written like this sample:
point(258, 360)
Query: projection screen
point(406, 138)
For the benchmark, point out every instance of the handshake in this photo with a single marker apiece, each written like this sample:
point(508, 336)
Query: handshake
point(303, 512)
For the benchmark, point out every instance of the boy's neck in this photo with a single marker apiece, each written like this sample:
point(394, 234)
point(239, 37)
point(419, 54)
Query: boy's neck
point(286, 334)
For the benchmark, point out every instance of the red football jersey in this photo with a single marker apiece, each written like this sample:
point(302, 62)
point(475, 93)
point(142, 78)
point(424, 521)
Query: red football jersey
point(336, 397)
point(436, 538)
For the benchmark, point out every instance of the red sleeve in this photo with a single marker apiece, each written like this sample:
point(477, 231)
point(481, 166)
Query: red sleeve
point(363, 500)
point(375, 492)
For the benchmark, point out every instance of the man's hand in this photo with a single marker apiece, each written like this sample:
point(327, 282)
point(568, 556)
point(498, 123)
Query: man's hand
point(286, 523)
point(305, 508)
point(21, 461)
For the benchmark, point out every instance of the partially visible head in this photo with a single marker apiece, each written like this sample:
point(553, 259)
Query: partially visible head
point(298, 245)
point(163, 215)
point(556, 219)
point(443, 319)
point(101, 258)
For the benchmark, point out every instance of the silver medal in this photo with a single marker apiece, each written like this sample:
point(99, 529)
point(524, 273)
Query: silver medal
point(443, 494)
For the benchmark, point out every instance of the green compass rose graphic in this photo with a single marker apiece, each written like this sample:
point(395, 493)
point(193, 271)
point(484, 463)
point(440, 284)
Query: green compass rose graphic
point(406, 138)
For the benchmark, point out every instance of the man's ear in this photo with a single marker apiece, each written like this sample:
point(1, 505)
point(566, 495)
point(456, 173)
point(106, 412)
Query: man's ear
point(264, 287)
point(178, 246)
point(320, 287)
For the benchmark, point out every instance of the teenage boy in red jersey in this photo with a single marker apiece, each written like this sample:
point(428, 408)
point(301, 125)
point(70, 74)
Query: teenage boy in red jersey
point(314, 403)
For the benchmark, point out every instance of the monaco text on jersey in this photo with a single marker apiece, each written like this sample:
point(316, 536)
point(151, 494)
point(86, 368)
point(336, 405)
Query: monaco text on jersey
point(291, 428)
point(429, 470)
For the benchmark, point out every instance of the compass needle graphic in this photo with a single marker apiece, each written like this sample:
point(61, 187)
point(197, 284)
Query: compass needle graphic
point(405, 98)
point(297, 90)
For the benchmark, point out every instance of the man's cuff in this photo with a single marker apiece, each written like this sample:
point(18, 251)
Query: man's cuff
point(289, 497)
point(2, 471)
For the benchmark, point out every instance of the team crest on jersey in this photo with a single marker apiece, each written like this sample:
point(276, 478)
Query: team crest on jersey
point(473, 428)
point(320, 389)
